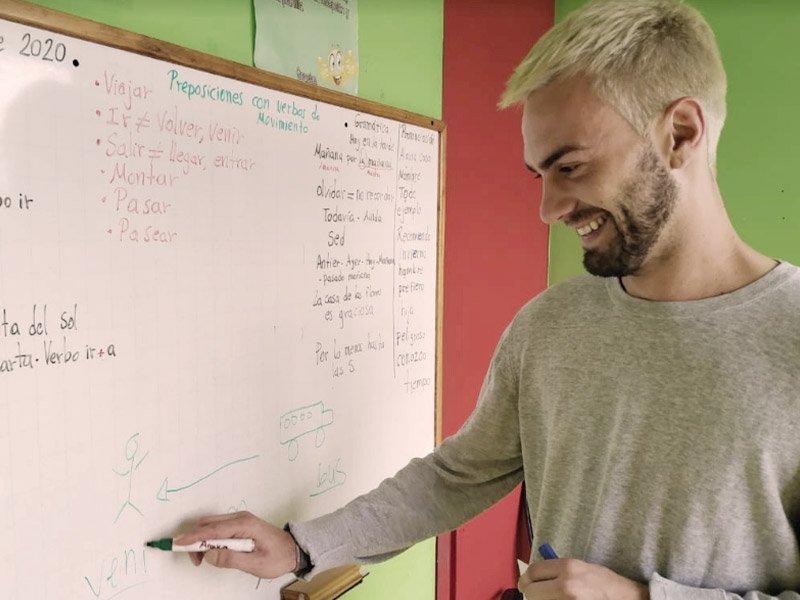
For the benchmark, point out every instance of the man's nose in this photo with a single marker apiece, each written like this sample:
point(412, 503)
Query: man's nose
point(556, 203)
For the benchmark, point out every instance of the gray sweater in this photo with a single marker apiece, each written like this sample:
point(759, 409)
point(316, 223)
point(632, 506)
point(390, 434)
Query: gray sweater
point(660, 439)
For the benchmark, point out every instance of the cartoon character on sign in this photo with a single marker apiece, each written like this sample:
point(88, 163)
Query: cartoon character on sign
point(337, 69)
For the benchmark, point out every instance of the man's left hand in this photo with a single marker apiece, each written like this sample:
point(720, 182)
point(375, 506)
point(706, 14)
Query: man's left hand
point(572, 579)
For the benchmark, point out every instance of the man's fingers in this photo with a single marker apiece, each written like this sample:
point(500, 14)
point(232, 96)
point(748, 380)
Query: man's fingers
point(547, 569)
point(549, 589)
point(213, 557)
point(228, 559)
point(274, 555)
point(216, 527)
point(217, 518)
point(196, 558)
point(540, 579)
point(196, 535)
point(538, 571)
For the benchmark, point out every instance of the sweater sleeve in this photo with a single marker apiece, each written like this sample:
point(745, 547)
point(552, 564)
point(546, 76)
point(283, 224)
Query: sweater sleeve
point(664, 589)
point(469, 472)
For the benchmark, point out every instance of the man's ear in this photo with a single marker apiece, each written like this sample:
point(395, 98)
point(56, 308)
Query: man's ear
point(682, 132)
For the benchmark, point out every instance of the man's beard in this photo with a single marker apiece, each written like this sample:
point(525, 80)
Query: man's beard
point(646, 203)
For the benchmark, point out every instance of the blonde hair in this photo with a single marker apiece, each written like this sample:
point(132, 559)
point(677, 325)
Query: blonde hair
point(641, 55)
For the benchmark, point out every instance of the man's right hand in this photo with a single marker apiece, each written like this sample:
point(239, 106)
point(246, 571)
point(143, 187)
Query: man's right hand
point(275, 553)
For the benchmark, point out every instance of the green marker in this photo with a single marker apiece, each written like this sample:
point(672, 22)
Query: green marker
point(235, 544)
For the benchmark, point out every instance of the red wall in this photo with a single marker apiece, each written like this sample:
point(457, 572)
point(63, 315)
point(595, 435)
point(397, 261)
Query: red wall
point(495, 250)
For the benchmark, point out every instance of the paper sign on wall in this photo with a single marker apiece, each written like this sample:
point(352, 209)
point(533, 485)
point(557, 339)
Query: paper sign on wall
point(315, 41)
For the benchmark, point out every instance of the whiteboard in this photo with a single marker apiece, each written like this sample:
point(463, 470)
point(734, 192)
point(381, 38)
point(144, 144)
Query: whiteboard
point(215, 296)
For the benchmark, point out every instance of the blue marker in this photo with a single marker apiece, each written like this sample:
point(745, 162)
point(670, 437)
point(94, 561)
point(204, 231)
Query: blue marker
point(546, 552)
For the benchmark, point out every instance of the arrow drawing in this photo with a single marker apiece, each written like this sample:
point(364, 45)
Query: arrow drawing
point(165, 490)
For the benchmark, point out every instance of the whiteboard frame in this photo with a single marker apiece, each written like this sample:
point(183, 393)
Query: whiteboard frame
point(34, 15)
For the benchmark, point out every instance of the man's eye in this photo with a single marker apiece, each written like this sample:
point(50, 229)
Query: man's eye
point(568, 169)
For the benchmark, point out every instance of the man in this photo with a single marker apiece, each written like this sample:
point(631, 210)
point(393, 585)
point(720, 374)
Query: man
point(652, 407)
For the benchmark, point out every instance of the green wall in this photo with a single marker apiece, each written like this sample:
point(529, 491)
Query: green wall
point(758, 160)
point(400, 43)
point(220, 27)
point(400, 48)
